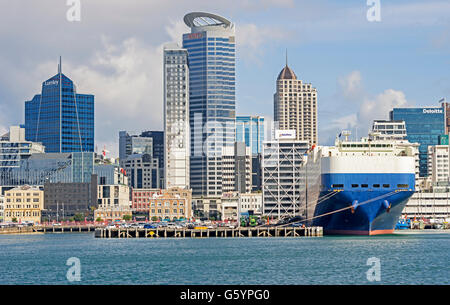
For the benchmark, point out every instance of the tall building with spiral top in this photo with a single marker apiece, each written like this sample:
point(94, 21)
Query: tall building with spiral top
point(211, 57)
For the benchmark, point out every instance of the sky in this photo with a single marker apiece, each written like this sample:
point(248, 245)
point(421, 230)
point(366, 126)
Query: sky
point(361, 68)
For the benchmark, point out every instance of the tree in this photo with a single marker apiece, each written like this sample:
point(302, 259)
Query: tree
point(79, 217)
point(98, 219)
point(14, 219)
point(154, 218)
point(127, 217)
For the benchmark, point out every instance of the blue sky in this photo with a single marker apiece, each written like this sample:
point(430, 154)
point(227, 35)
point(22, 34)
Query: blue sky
point(361, 69)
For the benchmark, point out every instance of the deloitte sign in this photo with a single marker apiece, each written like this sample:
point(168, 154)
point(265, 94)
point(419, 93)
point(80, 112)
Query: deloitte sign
point(432, 110)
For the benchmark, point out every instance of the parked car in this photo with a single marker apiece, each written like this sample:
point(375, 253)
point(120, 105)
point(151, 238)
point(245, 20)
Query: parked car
point(150, 226)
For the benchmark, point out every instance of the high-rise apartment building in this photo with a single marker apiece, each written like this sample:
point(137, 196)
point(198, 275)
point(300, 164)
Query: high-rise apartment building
point(295, 106)
point(176, 116)
point(60, 118)
point(211, 57)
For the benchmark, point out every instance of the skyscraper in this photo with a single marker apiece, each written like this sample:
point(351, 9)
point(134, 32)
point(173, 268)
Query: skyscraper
point(176, 116)
point(60, 118)
point(211, 56)
point(424, 126)
point(295, 106)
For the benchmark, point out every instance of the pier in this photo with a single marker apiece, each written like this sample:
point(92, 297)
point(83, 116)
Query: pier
point(208, 233)
point(65, 229)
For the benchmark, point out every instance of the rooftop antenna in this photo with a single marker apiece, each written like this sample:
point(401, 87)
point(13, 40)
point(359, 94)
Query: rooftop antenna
point(59, 65)
point(286, 58)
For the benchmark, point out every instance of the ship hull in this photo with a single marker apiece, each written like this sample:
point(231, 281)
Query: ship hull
point(375, 210)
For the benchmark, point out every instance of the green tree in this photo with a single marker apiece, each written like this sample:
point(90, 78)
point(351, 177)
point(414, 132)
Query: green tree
point(127, 217)
point(79, 217)
point(14, 219)
point(98, 219)
point(154, 218)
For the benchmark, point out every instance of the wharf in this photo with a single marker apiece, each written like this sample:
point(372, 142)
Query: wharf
point(207, 233)
point(64, 229)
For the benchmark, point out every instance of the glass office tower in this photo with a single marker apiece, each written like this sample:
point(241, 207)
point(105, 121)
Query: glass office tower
point(211, 60)
point(250, 130)
point(59, 118)
point(423, 126)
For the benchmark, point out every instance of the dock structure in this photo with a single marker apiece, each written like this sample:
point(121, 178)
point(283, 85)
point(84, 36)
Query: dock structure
point(64, 229)
point(207, 233)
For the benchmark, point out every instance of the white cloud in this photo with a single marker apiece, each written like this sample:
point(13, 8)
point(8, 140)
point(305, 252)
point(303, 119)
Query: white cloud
point(251, 40)
point(350, 85)
point(379, 106)
point(368, 107)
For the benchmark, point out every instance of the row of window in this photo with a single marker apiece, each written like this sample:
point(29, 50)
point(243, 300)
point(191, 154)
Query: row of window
point(373, 185)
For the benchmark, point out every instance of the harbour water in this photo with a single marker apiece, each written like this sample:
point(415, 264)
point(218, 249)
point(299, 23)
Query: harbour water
point(409, 257)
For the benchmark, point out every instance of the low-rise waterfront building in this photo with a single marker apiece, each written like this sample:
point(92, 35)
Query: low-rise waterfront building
point(113, 202)
point(2, 207)
point(23, 204)
point(234, 204)
point(230, 206)
point(207, 207)
point(173, 203)
point(251, 203)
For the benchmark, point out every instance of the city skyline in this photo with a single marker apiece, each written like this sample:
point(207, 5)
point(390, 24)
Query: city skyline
point(123, 68)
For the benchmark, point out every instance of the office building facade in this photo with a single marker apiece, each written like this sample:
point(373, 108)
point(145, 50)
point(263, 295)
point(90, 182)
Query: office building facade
point(148, 142)
point(14, 148)
point(424, 126)
point(42, 168)
point(60, 118)
point(142, 171)
point(211, 56)
point(283, 174)
point(65, 200)
point(295, 106)
point(250, 130)
point(176, 116)
point(237, 168)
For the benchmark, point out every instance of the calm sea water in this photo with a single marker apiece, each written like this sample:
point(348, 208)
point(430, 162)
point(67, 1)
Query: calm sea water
point(411, 258)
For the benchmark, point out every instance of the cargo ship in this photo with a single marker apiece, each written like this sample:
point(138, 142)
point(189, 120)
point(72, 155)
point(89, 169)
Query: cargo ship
point(364, 185)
